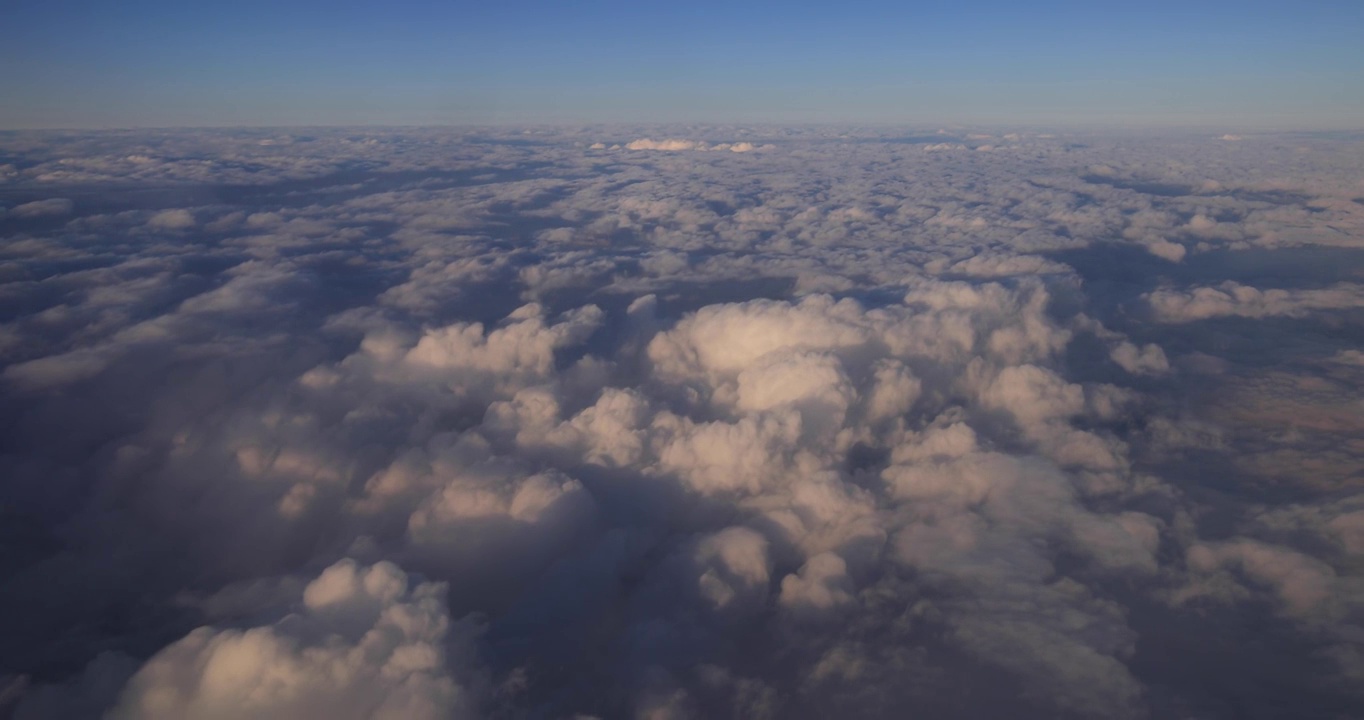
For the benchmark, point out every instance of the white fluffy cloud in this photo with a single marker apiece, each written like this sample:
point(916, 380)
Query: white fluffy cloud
point(675, 145)
point(1234, 299)
point(363, 644)
point(1146, 360)
point(42, 208)
point(172, 220)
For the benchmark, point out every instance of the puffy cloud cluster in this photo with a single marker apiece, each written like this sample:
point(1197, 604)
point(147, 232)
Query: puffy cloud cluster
point(493, 424)
point(363, 644)
point(1234, 299)
point(40, 208)
point(675, 144)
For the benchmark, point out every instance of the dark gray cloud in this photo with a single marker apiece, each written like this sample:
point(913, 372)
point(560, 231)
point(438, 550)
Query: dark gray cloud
point(680, 422)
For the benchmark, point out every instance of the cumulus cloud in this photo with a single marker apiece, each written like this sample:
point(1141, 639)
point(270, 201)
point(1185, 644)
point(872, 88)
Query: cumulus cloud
point(1234, 299)
point(1147, 360)
point(172, 220)
point(363, 644)
point(509, 422)
point(42, 208)
point(667, 145)
point(988, 265)
point(677, 144)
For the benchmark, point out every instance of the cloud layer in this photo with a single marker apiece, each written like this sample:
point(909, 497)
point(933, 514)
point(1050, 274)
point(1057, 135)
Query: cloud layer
point(578, 423)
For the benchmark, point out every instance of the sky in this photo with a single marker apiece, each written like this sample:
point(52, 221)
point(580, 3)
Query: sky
point(157, 63)
point(677, 362)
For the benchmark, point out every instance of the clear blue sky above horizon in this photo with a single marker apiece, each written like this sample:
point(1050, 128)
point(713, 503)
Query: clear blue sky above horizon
point(87, 63)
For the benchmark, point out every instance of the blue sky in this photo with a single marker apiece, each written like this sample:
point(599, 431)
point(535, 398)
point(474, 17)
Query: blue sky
point(82, 63)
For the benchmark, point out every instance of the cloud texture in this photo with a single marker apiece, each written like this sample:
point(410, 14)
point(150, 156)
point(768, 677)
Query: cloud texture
point(489, 423)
